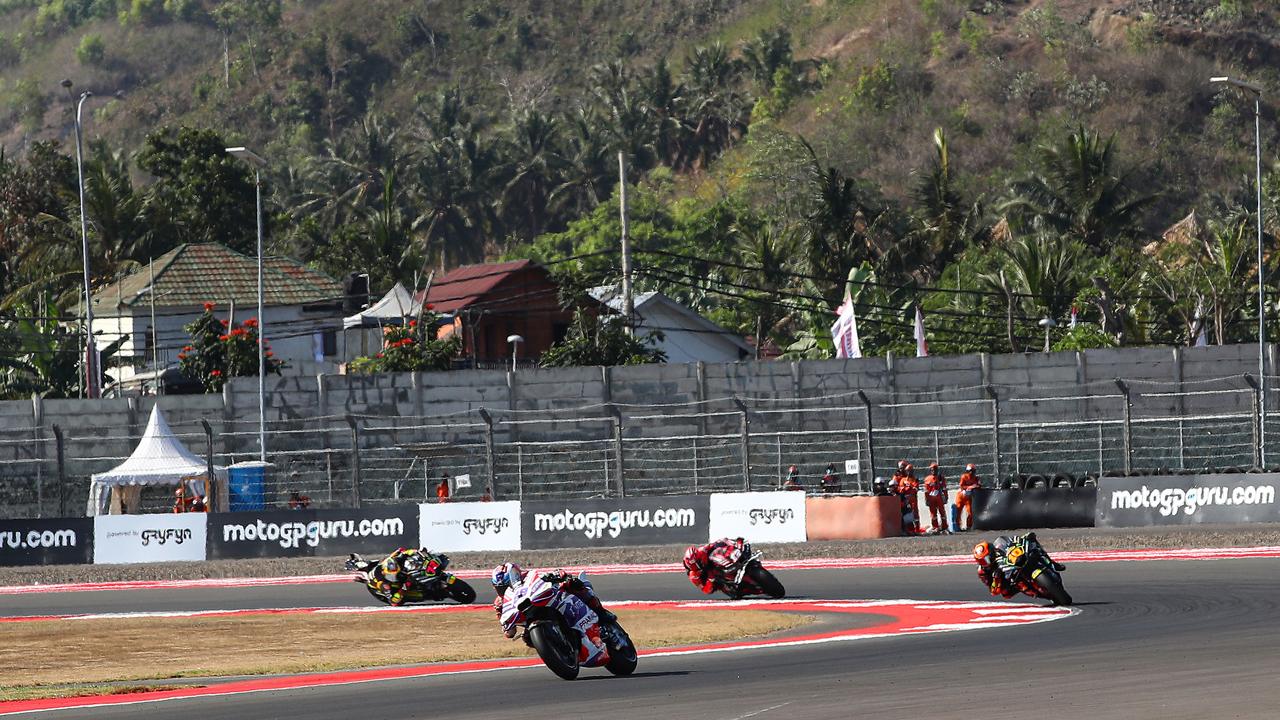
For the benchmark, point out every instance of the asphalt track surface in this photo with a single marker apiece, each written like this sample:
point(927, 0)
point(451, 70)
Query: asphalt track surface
point(1155, 639)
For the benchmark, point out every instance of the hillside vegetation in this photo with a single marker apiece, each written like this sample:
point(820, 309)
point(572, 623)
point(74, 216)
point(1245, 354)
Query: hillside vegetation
point(993, 162)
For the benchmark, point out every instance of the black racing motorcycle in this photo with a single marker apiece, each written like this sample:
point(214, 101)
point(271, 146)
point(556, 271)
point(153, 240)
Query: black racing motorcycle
point(427, 579)
point(740, 573)
point(1035, 572)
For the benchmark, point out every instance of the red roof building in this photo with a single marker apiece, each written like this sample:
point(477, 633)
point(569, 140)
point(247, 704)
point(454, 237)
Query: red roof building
point(492, 301)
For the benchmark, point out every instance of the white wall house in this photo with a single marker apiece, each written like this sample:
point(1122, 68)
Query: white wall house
point(302, 309)
point(686, 335)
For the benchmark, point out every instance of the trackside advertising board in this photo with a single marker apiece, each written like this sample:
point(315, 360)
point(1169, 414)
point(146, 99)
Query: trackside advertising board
point(1188, 499)
point(612, 523)
point(148, 538)
point(454, 526)
point(62, 541)
point(305, 533)
point(759, 516)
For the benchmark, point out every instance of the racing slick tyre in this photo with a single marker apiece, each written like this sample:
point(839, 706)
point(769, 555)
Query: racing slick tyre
point(622, 652)
point(766, 582)
point(462, 592)
point(554, 649)
point(1051, 588)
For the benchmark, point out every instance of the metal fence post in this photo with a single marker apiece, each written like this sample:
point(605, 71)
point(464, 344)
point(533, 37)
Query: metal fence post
point(995, 432)
point(62, 471)
point(871, 446)
point(212, 488)
point(488, 452)
point(746, 443)
point(1101, 461)
point(617, 449)
point(1256, 420)
point(1127, 429)
point(1017, 451)
point(355, 459)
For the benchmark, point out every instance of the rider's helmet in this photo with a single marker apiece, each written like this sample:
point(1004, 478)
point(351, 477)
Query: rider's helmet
point(982, 552)
point(903, 465)
point(506, 575)
point(389, 569)
point(910, 469)
point(694, 557)
point(970, 467)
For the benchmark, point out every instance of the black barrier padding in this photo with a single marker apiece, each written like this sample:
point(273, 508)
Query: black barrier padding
point(55, 541)
point(1189, 499)
point(306, 533)
point(1034, 508)
point(612, 523)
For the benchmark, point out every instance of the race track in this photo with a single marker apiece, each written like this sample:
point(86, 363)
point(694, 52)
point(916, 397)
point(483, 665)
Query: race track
point(1185, 639)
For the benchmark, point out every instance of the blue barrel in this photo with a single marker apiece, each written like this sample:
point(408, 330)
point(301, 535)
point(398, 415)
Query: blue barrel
point(245, 481)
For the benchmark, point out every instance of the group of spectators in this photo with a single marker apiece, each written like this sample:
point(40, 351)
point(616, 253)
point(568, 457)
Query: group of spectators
point(906, 486)
point(828, 485)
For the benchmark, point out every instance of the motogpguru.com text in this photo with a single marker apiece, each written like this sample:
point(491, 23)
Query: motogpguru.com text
point(595, 524)
point(291, 535)
point(1172, 500)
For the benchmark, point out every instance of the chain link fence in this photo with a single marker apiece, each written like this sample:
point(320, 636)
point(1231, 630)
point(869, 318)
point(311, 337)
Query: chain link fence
point(725, 444)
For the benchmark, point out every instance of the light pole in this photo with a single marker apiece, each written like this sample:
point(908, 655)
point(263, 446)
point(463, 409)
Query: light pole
point(1262, 313)
point(1048, 324)
point(515, 341)
point(258, 163)
point(90, 351)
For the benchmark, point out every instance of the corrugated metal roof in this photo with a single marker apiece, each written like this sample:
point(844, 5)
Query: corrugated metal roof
point(465, 285)
point(190, 275)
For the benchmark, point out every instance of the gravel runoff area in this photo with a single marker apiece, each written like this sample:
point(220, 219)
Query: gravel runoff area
point(1056, 540)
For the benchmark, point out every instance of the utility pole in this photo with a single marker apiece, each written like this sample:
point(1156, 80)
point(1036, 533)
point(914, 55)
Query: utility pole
point(628, 307)
point(155, 349)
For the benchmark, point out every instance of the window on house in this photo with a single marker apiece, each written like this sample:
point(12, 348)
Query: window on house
point(329, 340)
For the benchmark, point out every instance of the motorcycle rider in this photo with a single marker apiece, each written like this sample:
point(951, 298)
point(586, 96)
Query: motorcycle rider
point(989, 570)
point(969, 482)
point(793, 479)
point(705, 563)
point(509, 573)
point(1011, 570)
point(389, 575)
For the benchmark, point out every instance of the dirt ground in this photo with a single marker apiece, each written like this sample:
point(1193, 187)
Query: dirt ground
point(36, 654)
point(960, 543)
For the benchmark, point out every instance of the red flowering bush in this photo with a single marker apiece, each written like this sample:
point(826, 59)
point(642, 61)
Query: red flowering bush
point(218, 351)
point(409, 348)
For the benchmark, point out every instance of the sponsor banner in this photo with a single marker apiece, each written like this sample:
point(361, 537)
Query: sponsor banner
point(758, 516)
point(62, 541)
point(1034, 508)
point(1188, 499)
point(148, 538)
point(447, 527)
point(610, 523)
point(306, 533)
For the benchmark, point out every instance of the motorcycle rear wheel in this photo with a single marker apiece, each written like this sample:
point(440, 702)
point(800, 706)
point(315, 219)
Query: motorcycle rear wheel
point(622, 652)
point(765, 580)
point(1051, 588)
point(553, 648)
point(462, 592)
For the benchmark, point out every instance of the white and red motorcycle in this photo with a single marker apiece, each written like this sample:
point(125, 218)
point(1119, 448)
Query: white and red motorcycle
point(564, 630)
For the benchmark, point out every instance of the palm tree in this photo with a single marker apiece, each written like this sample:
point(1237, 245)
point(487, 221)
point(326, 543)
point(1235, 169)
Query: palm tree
point(1079, 189)
point(1225, 267)
point(534, 166)
point(716, 113)
point(945, 223)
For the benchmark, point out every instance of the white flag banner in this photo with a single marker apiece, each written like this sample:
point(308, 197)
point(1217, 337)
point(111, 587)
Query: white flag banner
point(845, 332)
point(922, 344)
point(1202, 339)
point(462, 481)
point(1072, 324)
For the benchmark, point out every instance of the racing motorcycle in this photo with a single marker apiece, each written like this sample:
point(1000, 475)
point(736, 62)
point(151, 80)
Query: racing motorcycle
point(427, 579)
point(740, 573)
point(556, 624)
point(1035, 575)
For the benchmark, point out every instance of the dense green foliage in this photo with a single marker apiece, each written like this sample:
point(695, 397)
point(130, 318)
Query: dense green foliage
point(991, 163)
point(218, 352)
point(406, 349)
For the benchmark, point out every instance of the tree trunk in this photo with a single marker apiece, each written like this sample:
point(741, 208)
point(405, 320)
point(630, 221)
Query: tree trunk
point(226, 60)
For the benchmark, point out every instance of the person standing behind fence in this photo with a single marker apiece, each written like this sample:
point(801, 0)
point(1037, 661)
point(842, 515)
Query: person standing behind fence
point(793, 479)
point(909, 488)
point(935, 496)
point(830, 481)
point(442, 490)
point(969, 482)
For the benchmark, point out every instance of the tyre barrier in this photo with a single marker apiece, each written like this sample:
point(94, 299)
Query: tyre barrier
point(1034, 507)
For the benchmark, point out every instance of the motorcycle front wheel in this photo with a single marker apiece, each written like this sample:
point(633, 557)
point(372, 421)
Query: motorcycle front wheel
point(622, 652)
point(765, 580)
point(462, 592)
point(554, 649)
point(1051, 588)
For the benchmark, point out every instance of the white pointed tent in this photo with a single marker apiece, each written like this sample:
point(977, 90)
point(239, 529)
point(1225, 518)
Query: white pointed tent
point(392, 309)
point(159, 459)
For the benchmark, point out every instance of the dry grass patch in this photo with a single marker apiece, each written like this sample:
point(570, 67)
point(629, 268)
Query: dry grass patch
point(41, 654)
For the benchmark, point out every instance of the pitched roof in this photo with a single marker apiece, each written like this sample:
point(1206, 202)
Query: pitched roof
point(466, 285)
point(190, 275)
point(611, 295)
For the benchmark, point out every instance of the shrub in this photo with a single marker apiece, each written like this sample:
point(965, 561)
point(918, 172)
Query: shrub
point(92, 50)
